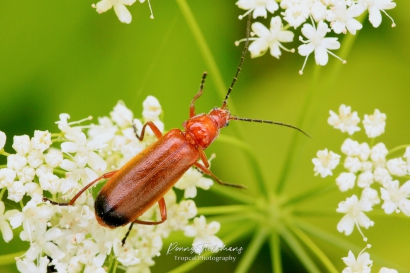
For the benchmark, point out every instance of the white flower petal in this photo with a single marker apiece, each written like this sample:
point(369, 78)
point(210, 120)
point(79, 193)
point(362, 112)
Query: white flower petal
point(308, 31)
point(96, 162)
point(353, 25)
point(275, 50)
point(101, 7)
point(258, 47)
point(285, 36)
point(322, 29)
point(6, 231)
point(259, 12)
point(346, 225)
point(404, 206)
point(375, 17)
point(389, 207)
point(321, 56)
point(272, 6)
point(260, 30)
point(305, 50)
point(2, 139)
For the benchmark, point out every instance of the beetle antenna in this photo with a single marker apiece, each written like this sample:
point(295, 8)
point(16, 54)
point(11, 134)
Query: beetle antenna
point(201, 88)
point(270, 122)
point(245, 49)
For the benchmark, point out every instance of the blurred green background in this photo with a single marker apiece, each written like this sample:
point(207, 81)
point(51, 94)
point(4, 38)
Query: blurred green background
point(62, 57)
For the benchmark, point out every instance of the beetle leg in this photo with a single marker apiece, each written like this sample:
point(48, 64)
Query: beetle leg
point(192, 105)
point(202, 155)
point(208, 172)
point(153, 127)
point(104, 176)
point(163, 211)
point(126, 234)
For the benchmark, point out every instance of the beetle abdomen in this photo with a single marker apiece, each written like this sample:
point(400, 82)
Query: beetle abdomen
point(106, 215)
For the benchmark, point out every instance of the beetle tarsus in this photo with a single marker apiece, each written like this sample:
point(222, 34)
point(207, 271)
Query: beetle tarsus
point(153, 127)
point(220, 182)
point(45, 199)
point(231, 185)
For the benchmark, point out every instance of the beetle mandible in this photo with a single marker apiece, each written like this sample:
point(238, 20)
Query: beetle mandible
point(147, 177)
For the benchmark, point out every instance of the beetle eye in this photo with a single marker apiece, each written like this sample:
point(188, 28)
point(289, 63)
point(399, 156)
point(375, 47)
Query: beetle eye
point(227, 124)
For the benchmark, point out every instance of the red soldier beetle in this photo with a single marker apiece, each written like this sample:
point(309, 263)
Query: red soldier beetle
point(147, 177)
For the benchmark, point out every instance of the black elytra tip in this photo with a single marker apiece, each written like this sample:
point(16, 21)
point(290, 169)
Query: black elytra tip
point(108, 214)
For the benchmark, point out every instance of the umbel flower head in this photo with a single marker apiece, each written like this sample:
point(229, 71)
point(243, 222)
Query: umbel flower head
point(346, 121)
point(362, 264)
point(317, 43)
point(69, 238)
point(269, 38)
point(325, 162)
point(316, 18)
point(366, 166)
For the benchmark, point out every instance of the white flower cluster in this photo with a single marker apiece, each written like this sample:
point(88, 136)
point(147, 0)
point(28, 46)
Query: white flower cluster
point(121, 11)
point(69, 238)
point(325, 16)
point(362, 264)
point(367, 166)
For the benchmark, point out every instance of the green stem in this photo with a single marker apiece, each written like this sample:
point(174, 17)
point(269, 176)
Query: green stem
point(154, 63)
point(326, 236)
point(344, 244)
point(398, 148)
point(3, 190)
point(250, 155)
point(335, 69)
point(222, 209)
point(299, 251)
point(274, 243)
point(54, 140)
point(57, 171)
point(217, 77)
point(3, 152)
point(114, 268)
point(203, 48)
point(315, 213)
point(110, 262)
point(314, 248)
point(238, 219)
point(310, 193)
point(57, 135)
point(295, 143)
point(10, 258)
point(252, 251)
point(316, 96)
point(235, 194)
